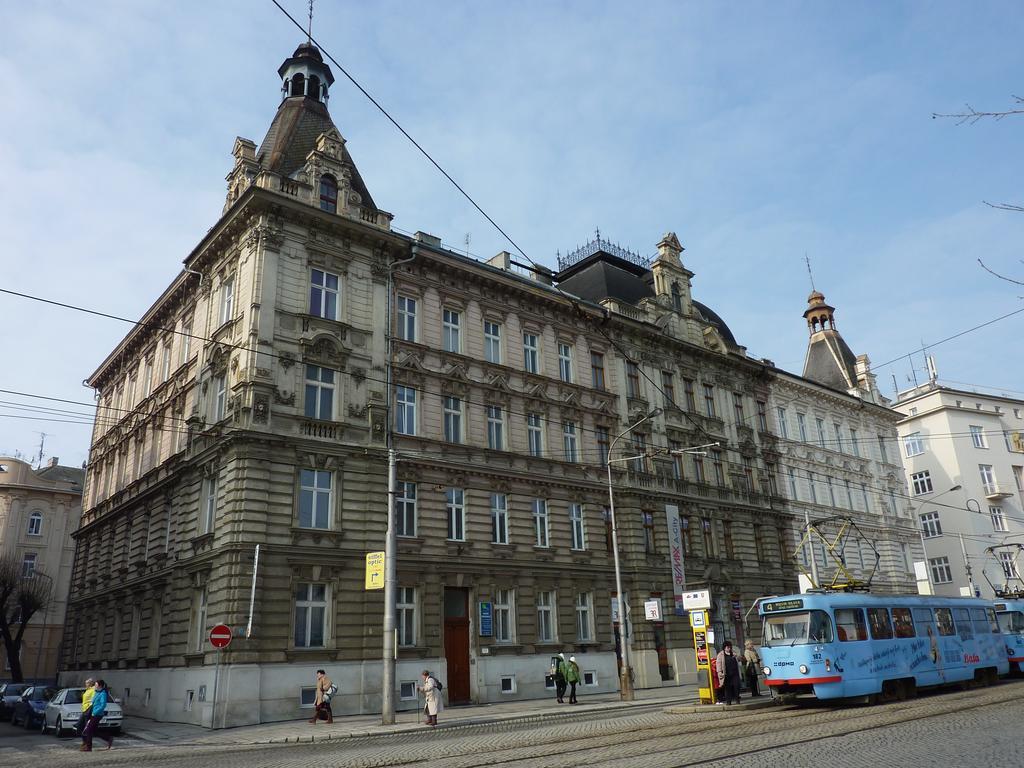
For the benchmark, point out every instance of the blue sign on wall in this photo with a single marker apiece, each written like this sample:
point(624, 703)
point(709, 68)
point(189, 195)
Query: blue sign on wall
point(486, 619)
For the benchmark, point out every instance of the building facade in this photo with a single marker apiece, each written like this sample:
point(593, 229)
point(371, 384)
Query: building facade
point(39, 511)
point(964, 458)
point(251, 406)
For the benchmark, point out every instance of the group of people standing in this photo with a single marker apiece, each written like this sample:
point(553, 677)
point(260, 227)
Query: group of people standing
point(730, 669)
point(567, 675)
point(430, 687)
point(95, 698)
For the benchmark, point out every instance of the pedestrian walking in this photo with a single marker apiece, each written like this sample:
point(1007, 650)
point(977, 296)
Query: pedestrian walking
point(728, 668)
point(752, 665)
point(99, 708)
point(560, 684)
point(325, 691)
point(431, 688)
point(87, 695)
point(572, 677)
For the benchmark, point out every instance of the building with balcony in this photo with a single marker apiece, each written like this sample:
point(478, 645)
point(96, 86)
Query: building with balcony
point(39, 510)
point(975, 440)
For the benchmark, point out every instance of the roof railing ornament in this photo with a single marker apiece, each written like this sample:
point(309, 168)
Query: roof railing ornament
point(600, 244)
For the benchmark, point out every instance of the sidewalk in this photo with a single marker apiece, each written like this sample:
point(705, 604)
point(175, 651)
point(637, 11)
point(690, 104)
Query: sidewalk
point(681, 698)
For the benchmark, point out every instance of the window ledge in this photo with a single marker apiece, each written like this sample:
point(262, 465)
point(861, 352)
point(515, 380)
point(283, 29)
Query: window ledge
point(316, 534)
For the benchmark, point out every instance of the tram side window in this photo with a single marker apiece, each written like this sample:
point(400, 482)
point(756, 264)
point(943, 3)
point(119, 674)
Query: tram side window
point(881, 627)
point(1011, 622)
point(850, 624)
point(993, 622)
point(980, 622)
point(963, 623)
point(944, 618)
point(903, 624)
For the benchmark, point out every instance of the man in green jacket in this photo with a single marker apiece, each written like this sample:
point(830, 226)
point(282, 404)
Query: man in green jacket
point(572, 677)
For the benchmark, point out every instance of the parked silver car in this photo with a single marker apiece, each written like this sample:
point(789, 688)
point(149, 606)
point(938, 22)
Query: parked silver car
point(63, 710)
point(9, 695)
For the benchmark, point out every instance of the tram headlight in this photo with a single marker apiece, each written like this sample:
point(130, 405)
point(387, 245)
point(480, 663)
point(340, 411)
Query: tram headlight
point(803, 669)
point(767, 671)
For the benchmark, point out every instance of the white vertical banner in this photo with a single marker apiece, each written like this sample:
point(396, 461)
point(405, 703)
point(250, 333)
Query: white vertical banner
point(676, 556)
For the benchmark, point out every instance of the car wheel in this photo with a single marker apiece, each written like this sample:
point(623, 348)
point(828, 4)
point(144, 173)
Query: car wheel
point(42, 725)
point(58, 729)
point(28, 721)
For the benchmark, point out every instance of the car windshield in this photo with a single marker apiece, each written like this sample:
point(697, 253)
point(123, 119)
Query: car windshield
point(42, 694)
point(74, 696)
point(1011, 621)
point(797, 629)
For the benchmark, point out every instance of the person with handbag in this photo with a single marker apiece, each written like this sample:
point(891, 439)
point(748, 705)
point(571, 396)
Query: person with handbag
point(431, 689)
point(752, 665)
point(325, 691)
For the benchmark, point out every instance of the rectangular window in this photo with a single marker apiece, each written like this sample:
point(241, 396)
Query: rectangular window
point(451, 330)
point(737, 408)
point(1008, 561)
point(864, 495)
point(727, 539)
point(35, 524)
point(820, 423)
point(315, 498)
point(922, 482)
point(783, 427)
point(676, 451)
point(454, 499)
point(762, 416)
point(310, 615)
point(531, 353)
point(504, 611)
point(405, 508)
point(147, 378)
point(319, 393)
point(689, 392)
point(801, 423)
point(209, 508)
point(668, 387)
point(684, 523)
point(569, 441)
point(708, 530)
point(492, 342)
point(748, 473)
point(850, 625)
point(603, 444)
point(405, 410)
point(540, 523)
point(565, 362)
point(1018, 476)
point(709, 401)
point(854, 444)
point(978, 437)
point(838, 429)
point(576, 523)
point(912, 444)
point(323, 294)
point(791, 473)
point(452, 407)
point(698, 468)
point(930, 525)
point(227, 300)
point(849, 494)
point(632, 379)
point(639, 464)
point(406, 318)
point(545, 617)
point(199, 620)
point(495, 428)
point(881, 627)
point(882, 451)
point(165, 361)
point(28, 568)
point(998, 519)
point(186, 340)
point(716, 463)
point(220, 397)
point(597, 370)
point(584, 618)
point(988, 478)
point(406, 616)
point(941, 574)
point(535, 434)
point(499, 518)
point(608, 538)
point(813, 486)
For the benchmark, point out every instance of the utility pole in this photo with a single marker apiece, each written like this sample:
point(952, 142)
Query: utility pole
point(967, 566)
point(390, 644)
point(810, 546)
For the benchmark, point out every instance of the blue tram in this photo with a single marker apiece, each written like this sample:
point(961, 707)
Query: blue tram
point(1010, 613)
point(846, 645)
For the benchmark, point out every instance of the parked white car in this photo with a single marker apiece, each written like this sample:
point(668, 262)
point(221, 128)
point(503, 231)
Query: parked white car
point(63, 710)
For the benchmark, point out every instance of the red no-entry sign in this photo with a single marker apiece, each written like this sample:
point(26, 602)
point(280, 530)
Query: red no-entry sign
point(220, 636)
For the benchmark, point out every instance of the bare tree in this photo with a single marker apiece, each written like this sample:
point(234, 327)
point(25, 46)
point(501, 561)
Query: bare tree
point(21, 597)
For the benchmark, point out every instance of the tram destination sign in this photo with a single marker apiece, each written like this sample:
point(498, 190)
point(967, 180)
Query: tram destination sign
point(783, 605)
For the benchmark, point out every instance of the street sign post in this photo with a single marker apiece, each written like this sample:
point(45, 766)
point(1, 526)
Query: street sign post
point(220, 638)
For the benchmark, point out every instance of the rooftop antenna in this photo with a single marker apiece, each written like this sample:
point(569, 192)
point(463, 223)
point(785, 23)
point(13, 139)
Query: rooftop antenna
point(810, 274)
point(309, 29)
point(466, 240)
point(42, 440)
point(933, 373)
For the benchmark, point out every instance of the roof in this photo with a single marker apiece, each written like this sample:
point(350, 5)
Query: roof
point(830, 361)
point(709, 315)
point(292, 136)
point(598, 278)
point(61, 474)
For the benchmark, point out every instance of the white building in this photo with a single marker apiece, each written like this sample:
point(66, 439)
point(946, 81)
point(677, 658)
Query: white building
point(964, 458)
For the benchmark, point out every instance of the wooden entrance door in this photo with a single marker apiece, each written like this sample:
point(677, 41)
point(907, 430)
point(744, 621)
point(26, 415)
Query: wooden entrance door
point(456, 643)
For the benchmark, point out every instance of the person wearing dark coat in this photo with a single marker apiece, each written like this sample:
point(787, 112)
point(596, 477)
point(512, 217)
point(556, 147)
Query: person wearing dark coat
point(728, 667)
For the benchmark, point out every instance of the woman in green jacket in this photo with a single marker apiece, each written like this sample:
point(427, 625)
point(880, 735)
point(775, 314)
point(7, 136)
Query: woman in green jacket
point(572, 677)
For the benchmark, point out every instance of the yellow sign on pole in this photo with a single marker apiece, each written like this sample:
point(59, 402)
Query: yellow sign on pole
point(375, 570)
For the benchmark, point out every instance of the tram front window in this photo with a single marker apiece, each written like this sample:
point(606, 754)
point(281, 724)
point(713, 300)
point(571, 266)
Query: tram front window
point(797, 629)
point(1011, 622)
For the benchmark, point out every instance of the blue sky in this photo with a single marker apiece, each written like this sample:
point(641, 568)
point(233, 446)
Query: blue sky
point(756, 131)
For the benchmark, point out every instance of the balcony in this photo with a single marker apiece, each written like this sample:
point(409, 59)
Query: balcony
point(324, 429)
point(995, 492)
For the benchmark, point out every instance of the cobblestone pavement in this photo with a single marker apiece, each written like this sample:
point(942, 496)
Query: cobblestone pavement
point(952, 728)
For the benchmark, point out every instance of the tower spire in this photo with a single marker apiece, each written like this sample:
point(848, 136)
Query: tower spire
point(807, 258)
point(309, 27)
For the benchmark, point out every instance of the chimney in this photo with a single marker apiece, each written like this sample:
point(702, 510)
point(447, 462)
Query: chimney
point(54, 461)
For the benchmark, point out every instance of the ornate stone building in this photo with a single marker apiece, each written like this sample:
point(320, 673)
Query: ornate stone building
point(39, 510)
point(250, 406)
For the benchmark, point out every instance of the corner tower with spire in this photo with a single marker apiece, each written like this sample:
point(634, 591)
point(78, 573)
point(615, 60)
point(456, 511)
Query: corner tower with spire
point(829, 360)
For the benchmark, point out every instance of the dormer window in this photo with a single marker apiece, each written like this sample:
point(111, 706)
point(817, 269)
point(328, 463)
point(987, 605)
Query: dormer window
point(299, 85)
point(677, 298)
point(328, 194)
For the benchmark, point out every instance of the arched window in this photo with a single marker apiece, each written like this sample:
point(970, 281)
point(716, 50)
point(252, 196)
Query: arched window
point(677, 298)
point(313, 90)
point(298, 85)
point(35, 524)
point(328, 194)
